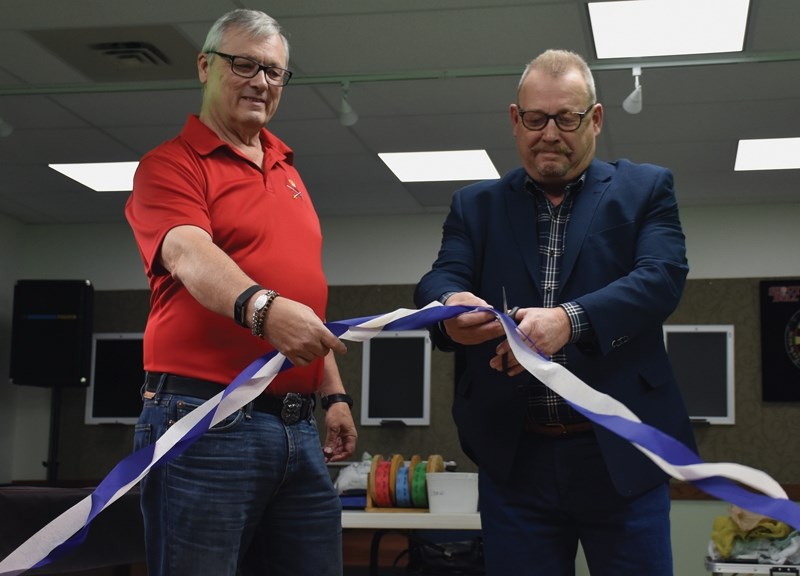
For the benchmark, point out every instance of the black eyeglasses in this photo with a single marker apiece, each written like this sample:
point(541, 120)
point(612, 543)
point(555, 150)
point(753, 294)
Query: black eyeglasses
point(248, 68)
point(566, 121)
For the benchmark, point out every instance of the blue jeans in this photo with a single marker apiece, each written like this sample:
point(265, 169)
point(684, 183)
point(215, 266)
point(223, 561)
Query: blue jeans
point(560, 494)
point(252, 495)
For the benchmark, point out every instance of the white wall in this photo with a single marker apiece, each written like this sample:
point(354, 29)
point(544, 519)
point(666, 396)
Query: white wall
point(106, 254)
point(723, 242)
point(756, 241)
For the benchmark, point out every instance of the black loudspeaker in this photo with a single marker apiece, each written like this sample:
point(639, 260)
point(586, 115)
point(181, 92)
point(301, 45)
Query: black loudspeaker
point(51, 333)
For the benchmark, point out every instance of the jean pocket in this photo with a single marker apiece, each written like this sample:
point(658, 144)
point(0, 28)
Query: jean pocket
point(185, 406)
point(142, 433)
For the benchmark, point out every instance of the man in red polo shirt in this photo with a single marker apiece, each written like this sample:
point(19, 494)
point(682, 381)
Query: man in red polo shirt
point(231, 246)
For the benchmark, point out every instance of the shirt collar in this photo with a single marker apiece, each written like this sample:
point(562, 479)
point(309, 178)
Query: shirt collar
point(571, 188)
point(204, 140)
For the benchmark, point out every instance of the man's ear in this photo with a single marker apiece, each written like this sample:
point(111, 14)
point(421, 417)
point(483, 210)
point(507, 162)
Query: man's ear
point(202, 67)
point(512, 110)
point(597, 118)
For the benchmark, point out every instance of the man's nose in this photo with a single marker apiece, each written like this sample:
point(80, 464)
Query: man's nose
point(551, 130)
point(260, 79)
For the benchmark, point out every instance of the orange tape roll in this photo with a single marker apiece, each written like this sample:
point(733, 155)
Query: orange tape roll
point(415, 459)
point(394, 465)
point(435, 463)
point(371, 478)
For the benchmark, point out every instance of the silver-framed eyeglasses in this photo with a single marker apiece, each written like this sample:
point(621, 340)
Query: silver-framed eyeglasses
point(566, 121)
point(248, 68)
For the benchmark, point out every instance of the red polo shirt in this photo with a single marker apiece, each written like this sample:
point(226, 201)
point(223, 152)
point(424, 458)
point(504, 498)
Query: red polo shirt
point(264, 220)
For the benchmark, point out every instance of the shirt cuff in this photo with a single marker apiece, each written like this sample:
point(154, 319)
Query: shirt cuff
point(578, 321)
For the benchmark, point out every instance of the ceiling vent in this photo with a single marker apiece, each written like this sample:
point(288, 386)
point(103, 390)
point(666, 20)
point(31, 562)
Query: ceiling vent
point(131, 54)
point(123, 53)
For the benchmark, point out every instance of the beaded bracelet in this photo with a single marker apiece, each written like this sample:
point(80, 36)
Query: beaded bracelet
point(260, 314)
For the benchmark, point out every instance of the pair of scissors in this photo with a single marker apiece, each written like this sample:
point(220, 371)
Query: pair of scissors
point(512, 313)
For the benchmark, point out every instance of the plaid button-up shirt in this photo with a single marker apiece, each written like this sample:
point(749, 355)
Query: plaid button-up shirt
point(544, 405)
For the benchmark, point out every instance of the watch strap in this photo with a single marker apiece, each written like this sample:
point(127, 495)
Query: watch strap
point(326, 401)
point(443, 298)
point(240, 306)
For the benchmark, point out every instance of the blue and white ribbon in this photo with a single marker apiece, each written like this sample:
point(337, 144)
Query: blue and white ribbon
point(721, 480)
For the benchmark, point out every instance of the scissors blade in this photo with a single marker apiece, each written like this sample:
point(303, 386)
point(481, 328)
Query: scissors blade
point(505, 311)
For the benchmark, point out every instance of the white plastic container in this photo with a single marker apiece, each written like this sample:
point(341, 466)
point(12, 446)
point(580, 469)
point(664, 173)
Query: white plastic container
point(452, 492)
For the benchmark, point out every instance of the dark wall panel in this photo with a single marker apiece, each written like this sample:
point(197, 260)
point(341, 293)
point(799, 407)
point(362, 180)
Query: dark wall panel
point(765, 436)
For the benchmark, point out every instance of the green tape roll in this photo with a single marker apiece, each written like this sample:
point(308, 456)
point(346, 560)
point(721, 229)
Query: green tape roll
point(419, 486)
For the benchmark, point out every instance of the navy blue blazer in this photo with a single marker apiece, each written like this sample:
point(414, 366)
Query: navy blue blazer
point(624, 262)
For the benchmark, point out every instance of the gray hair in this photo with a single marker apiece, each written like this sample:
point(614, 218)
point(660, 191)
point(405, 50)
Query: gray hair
point(559, 62)
point(255, 24)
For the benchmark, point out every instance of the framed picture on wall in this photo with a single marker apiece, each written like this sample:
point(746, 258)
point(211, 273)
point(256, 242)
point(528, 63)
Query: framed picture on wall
point(780, 340)
point(396, 379)
point(116, 379)
point(701, 356)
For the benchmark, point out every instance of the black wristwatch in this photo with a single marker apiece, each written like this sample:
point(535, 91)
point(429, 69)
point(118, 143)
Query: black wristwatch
point(240, 306)
point(326, 401)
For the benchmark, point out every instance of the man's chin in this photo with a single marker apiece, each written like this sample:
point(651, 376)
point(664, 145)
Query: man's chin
point(256, 117)
point(551, 170)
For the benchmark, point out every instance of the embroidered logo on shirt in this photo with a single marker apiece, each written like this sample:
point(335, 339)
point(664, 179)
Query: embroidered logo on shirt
point(293, 187)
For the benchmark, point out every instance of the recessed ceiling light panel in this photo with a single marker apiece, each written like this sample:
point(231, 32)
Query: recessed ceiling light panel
point(447, 165)
point(768, 154)
point(642, 28)
point(101, 176)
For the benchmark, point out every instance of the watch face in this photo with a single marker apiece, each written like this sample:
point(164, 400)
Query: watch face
point(260, 302)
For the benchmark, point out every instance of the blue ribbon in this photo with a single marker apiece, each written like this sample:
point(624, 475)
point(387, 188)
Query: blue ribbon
point(37, 551)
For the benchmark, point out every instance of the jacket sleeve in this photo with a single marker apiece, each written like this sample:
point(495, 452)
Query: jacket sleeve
point(452, 271)
point(644, 284)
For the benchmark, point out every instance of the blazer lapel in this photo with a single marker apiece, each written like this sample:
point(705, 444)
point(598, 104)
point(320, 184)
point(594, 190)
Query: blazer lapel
point(522, 218)
point(598, 178)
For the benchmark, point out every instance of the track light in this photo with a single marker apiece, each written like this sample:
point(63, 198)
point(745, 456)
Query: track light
point(347, 116)
point(5, 128)
point(633, 103)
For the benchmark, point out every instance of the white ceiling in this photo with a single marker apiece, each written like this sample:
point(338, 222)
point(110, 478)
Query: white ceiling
point(425, 74)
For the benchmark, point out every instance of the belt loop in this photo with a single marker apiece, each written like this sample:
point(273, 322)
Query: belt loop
point(248, 410)
point(154, 395)
point(161, 380)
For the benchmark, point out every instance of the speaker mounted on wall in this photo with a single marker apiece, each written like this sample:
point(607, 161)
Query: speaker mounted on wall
point(51, 333)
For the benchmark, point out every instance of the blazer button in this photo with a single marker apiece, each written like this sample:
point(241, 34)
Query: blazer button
point(619, 341)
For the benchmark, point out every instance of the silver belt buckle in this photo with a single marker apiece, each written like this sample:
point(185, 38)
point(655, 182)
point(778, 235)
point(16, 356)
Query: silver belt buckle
point(292, 405)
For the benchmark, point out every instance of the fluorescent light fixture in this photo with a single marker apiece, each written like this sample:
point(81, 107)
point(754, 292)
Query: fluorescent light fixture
point(641, 28)
point(768, 154)
point(101, 176)
point(447, 165)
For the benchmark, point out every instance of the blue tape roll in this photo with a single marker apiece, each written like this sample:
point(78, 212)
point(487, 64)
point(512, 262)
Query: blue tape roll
point(402, 489)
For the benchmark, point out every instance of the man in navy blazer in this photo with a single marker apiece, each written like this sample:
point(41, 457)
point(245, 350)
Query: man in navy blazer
point(593, 255)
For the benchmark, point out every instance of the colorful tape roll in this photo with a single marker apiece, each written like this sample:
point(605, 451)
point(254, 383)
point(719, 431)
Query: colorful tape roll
point(396, 483)
point(383, 495)
point(419, 486)
point(403, 489)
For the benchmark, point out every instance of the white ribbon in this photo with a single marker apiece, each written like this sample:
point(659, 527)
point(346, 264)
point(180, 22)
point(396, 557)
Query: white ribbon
point(599, 407)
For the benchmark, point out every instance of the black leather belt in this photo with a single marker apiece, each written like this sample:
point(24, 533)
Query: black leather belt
point(559, 430)
point(291, 408)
